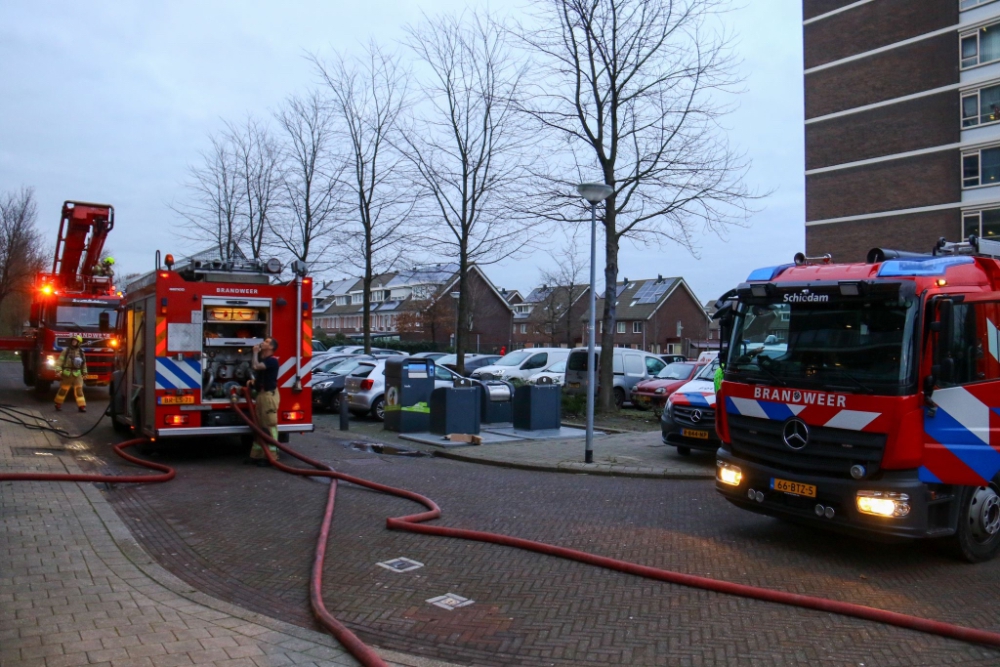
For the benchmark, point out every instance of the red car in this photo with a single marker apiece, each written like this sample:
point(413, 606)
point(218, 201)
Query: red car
point(654, 393)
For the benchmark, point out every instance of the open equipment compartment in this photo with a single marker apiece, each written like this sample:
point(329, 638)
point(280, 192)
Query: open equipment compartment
point(230, 329)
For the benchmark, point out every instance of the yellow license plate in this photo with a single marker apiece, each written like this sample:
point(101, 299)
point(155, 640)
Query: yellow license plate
point(89, 377)
point(794, 488)
point(175, 400)
point(574, 385)
point(692, 433)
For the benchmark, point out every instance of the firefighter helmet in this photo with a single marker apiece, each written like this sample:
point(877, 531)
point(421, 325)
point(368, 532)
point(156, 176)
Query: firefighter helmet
point(109, 260)
point(78, 338)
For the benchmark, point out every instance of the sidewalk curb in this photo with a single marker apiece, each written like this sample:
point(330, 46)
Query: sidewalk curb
point(579, 468)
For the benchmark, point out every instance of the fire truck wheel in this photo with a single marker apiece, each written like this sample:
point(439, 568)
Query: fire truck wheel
point(378, 408)
point(42, 387)
point(29, 375)
point(683, 451)
point(978, 536)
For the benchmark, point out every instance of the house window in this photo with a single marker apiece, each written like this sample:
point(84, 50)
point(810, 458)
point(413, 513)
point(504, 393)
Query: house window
point(377, 296)
point(524, 328)
point(621, 327)
point(980, 107)
point(637, 327)
point(548, 328)
point(981, 167)
point(343, 300)
point(985, 223)
point(980, 46)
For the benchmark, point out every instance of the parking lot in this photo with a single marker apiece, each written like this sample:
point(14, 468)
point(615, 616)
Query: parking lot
point(245, 535)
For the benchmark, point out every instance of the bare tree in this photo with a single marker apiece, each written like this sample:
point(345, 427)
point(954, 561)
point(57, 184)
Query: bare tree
point(368, 97)
point(21, 246)
point(564, 279)
point(310, 175)
point(257, 157)
point(215, 210)
point(632, 90)
point(466, 146)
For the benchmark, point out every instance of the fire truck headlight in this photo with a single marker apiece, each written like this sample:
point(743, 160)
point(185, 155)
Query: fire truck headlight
point(293, 415)
point(175, 420)
point(50, 361)
point(728, 474)
point(113, 342)
point(884, 503)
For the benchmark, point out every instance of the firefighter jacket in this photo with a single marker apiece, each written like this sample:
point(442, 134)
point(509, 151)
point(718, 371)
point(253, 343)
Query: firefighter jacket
point(68, 367)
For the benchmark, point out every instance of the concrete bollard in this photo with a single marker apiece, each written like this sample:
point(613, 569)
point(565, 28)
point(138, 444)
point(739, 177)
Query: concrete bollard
point(344, 421)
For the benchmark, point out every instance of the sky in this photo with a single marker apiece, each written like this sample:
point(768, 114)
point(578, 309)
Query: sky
point(112, 102)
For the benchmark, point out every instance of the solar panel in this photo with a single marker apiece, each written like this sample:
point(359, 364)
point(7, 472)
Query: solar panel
point(651, 291)
point(621, 288)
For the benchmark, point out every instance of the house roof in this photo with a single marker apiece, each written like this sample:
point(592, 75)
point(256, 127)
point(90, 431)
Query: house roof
point(428, 274)
point(545, 297)
point(640, 299)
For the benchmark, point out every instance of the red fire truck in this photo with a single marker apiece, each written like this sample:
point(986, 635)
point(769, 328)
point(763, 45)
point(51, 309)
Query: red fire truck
point(866, 397)
point(74, 299)
point(188, 333)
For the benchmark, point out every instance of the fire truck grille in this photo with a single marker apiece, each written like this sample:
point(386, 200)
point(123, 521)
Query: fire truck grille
point(685, 414)
point(100, 363)
point(829, 451)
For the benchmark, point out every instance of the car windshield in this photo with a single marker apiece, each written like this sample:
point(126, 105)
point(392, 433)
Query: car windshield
point(363, 371)
point(849, 345)
point(675, 371)
point(708, 372)
point(558, 367)
point(82, 316)
point(340, 366)
point(513, 359)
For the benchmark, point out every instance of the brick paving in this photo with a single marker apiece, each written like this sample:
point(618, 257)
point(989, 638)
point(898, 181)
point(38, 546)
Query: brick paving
point(76, 589)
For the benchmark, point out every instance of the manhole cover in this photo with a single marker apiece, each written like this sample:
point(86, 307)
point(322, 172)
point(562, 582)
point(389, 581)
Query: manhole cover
point(379, 448)
point(38, 451)
point(450, 601)
point(400, 564)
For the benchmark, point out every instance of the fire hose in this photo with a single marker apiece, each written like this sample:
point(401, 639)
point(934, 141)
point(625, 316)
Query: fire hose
point(416, 523)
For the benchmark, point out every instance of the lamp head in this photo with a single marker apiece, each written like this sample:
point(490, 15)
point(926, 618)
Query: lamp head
point(594, 192)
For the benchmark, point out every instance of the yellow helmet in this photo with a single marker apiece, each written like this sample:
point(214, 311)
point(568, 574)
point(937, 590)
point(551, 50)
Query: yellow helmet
point(109, 260)
point(78, 338)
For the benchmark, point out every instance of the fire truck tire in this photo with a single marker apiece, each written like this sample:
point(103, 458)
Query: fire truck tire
point(42, 387)
point(29, 375)
point(977, 538)
point(378, 408)
point(683, 451)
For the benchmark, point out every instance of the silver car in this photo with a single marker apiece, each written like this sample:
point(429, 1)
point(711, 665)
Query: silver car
point(365, 387)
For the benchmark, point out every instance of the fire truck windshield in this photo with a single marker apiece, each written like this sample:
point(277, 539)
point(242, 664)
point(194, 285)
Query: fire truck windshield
point(854, 346)
point(80, 315)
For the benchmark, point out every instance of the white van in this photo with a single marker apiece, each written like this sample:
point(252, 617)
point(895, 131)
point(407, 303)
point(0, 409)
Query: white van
point(630, 368)
point(708, 356)
point(521, 364)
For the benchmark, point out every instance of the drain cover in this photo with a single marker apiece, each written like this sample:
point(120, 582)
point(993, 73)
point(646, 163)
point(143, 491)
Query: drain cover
point(38, 451)
point(400, 564)
point(450, 601)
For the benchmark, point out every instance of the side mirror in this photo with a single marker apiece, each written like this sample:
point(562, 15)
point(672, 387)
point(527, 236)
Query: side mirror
point(104, 320)
point(35, 315)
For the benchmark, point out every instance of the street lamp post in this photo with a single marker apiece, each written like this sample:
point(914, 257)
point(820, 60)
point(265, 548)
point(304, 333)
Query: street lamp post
point(593, 193)
point(458, 319)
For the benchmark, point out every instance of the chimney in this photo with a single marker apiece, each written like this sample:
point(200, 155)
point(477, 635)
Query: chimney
point(659, 278)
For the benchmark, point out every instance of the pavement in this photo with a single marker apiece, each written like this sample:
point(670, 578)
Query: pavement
point(77, 589)
point(631, 454)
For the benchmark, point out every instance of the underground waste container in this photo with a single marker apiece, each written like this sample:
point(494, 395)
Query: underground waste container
point(455, 409)
point(495, 402)
point(408, 387)
point(537, 407)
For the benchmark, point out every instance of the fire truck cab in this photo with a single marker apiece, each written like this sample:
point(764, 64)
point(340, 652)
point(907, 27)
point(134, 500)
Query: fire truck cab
point(188, 333)
point(865, 398)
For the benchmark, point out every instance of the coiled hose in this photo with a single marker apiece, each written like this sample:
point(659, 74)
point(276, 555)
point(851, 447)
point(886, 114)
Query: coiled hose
point(416, 523)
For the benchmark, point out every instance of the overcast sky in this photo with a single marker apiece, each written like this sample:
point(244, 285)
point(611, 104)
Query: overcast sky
point(112, 101)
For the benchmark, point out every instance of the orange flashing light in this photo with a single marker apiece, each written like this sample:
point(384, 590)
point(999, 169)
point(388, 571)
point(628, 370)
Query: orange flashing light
point(113, 342)
point(306, 281)
point(164, 274)
point(175, 420)
point(293, 415)
point(47, 289)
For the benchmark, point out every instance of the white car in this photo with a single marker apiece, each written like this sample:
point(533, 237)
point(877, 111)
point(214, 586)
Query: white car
point(521, 364)
point(555, 371)
point(365, 387)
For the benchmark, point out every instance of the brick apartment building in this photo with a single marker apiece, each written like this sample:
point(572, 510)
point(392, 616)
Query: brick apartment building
point(416, 305)
point(659, 315)
point(549, 316)
point(902, 123)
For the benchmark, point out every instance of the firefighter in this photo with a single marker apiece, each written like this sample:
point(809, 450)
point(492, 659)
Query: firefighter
point(265, 366)
point(71, 369)
point(104, 267)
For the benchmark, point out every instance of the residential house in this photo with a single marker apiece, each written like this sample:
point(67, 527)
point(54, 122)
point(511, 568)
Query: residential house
point(659, 315)
point(548, 316)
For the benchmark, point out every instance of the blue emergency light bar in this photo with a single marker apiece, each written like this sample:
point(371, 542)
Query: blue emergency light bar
point(932, 266)
point(768, 272)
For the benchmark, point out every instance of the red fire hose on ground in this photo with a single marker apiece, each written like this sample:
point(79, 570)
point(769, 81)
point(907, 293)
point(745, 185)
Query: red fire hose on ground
point(416, 523)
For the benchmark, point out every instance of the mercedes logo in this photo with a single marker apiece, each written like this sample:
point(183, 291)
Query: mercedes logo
point(696, 416)
point(795, 434)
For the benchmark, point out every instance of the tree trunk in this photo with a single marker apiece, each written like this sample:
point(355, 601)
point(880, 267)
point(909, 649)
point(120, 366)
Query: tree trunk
point(366, 299)
point(463, 307)
point(605, 400)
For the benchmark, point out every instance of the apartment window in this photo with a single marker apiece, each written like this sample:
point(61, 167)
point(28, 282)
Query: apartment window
point(621, 327)
point(980, 107)
point(980, 46)
point(637, 327)
point(985, 223)
point(981, 167)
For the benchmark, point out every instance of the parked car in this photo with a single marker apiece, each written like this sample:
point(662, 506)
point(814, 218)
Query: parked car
point(429, 355)
point(521, 364)
point(556, 371)
point(688, 422)
point(318, 345)
point(365, 387)
point(707, 356)
point(328, 380)
point(654, 393)
point(630, 368)
point(472, 361)
point(673, 358)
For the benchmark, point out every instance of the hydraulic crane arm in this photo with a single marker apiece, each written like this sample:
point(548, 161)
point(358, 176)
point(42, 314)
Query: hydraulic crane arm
point(82, 232)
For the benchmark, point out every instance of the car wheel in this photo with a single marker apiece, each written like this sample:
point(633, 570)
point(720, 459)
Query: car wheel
point(619, 397)
point(683, 451)
point(378, 408)
point(978, 536)
point(639, 405)
point(334, 403)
